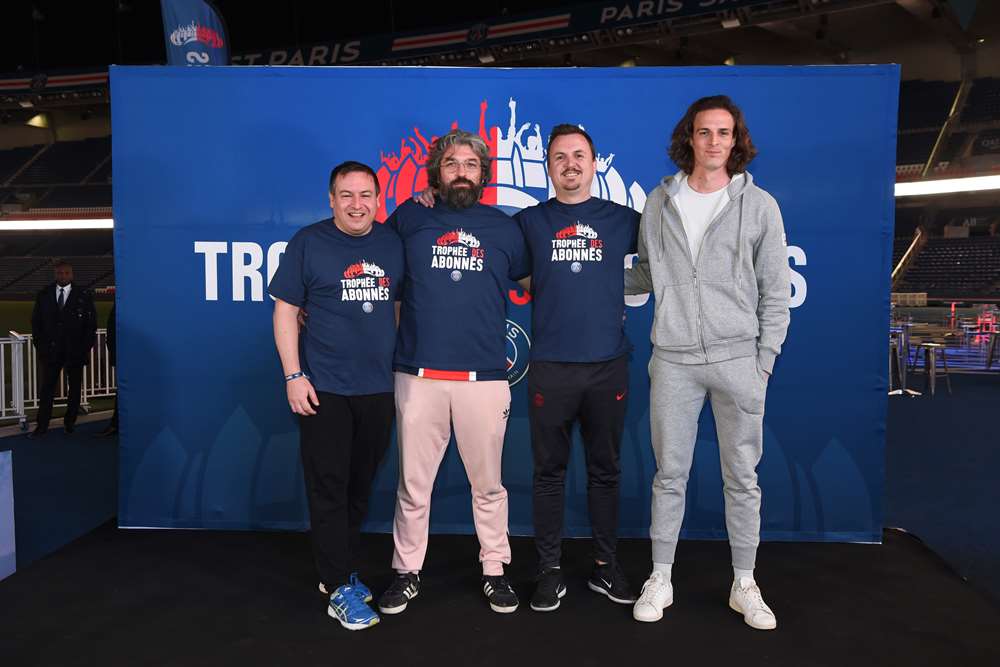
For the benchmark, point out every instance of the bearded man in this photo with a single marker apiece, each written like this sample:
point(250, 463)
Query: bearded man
point(451, 364)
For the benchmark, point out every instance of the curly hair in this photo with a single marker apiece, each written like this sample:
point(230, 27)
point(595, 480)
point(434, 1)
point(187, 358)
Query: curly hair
point(743, 151)
point(458, 137)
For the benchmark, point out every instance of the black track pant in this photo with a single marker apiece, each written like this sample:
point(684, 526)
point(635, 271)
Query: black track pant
point(558, 395)
point(342, 445)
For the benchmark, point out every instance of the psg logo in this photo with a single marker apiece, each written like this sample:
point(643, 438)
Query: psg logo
point(518, 352)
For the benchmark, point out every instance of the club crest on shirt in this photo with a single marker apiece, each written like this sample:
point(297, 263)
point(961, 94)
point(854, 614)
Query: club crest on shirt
point(457, 250)
point(577, 243)
point(365, 281)
point(518, 352)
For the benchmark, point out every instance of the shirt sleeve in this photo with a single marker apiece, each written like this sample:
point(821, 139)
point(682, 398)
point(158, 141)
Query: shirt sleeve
point(289, 281)
point(392, 222)
point(633, 222)
point(520, 257)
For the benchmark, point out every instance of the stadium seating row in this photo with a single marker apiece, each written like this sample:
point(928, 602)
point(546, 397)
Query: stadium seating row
point(954, 268)
point(22, 277)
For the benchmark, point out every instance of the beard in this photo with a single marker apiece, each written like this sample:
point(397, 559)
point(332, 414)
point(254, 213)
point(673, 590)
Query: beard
point(461, 197)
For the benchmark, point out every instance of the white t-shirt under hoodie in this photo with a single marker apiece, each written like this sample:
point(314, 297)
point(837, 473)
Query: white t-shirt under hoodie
point(698, 210)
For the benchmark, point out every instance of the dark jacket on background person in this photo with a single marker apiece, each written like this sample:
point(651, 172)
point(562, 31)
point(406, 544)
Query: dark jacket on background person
point(65, 336)
point(111, 338)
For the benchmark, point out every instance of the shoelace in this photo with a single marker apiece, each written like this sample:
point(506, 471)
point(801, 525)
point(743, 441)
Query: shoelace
point(499, 584)
point(399, 585)
point(756, 600)
point(357, 586)
point(353, 605)
point(653, 587)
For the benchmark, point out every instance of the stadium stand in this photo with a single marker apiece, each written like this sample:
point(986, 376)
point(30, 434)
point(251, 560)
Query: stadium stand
point(899, 246)
point(13, 159)
point(103, 173)
point(983, 104)
point(914, 148)
point(987, 143)
point(76, 196)
point(956, 268)
point(23, 277)
point(65, 162)
point(13, 269)
point(925, 104)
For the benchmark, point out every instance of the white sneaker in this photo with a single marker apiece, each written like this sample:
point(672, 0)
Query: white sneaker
point(745, 598)
point(657, 594)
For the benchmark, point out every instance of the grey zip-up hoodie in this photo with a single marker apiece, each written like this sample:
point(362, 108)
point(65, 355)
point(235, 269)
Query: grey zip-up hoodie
point(732, 299)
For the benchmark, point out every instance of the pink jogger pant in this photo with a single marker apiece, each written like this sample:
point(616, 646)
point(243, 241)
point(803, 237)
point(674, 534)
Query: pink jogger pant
point(425, 412)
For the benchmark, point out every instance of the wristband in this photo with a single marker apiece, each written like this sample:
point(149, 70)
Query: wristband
point(295, 375)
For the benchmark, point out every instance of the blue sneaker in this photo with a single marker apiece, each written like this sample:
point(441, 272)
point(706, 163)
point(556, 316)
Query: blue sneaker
point(347, 607)
point(360, 589)
point(356, 584)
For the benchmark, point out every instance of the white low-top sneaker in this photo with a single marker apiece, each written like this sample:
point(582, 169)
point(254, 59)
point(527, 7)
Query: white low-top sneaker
point(745, 598)
point(657, 594)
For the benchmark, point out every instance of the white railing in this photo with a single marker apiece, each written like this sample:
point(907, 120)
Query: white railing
point(19, 383)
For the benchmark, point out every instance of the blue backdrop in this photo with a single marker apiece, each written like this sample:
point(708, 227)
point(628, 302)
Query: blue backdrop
point(215, 168)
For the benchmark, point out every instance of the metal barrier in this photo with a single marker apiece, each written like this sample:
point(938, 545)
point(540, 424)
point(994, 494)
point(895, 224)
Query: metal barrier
point(19, 385)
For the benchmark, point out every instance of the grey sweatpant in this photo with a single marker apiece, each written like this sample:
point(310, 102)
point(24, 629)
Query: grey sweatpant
point(736, 389)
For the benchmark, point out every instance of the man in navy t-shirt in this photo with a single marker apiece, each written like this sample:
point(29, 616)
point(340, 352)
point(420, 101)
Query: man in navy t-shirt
point(579, 358)
point(451, 360)
point(348, 273)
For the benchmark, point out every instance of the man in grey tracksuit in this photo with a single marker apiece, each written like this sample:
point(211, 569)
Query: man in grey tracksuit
point(712, 251)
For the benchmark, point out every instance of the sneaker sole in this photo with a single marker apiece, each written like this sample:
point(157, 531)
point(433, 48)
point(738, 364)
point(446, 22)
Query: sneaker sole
point(503, 610)
point(560, 595)
point(396, 610)
point(735, 607)
point(350, 626)
point(598, 589)
point(653, 620)
point(322, 589)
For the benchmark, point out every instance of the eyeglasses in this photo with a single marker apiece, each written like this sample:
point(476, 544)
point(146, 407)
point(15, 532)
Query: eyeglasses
point(454, 165)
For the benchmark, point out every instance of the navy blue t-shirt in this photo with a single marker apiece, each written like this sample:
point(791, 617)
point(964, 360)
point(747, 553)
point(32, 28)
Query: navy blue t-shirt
point(459, 264)
point(348, 285)
point(578, 278)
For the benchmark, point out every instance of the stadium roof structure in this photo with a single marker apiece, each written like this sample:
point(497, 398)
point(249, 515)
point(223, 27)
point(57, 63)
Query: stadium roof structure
point(56, 54)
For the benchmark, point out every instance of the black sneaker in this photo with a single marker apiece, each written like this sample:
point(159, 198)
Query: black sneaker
point(502, 598)
point(404, 588)
point(608, 579)
point(548, 590)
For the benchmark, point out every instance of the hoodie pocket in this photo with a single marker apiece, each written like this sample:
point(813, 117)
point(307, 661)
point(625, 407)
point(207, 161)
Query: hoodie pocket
point(725, 317)
point(676, 321)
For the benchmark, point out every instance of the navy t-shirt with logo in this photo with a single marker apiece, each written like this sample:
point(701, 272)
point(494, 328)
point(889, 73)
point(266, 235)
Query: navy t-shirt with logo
point(459, 265)
point(348, 285)
point(578, 278)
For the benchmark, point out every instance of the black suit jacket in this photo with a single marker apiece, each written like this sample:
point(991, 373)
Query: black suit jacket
point(111, 338)
point(64, 336)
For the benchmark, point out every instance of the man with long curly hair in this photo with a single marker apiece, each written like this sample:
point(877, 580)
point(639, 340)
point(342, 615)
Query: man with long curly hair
point(712, 251)
point(451, 361)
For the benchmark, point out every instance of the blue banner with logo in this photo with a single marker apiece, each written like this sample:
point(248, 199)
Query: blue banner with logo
point(205, 203)
point(8, 554)
point(194, 32)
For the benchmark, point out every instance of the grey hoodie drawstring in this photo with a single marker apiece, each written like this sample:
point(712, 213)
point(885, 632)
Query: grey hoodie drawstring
point(739, 248)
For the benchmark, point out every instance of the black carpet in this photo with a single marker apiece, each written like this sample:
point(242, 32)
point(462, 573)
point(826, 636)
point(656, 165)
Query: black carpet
point(212, 598)
point(942, 471)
